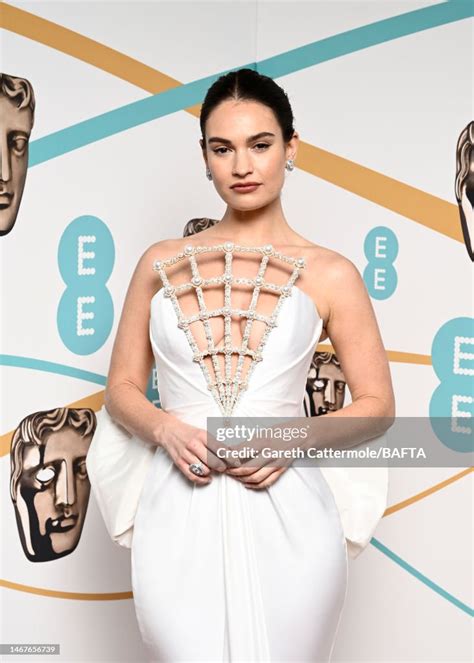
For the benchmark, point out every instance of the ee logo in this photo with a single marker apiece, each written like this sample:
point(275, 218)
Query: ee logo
point(381, 250)
point(86, 256)
point(452, 402)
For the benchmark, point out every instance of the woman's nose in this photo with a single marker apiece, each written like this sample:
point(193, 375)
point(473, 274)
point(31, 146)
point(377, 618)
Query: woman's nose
point(242, 163)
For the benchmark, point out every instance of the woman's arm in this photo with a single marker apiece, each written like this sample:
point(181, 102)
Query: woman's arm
point(354, 333)
point(132, 356)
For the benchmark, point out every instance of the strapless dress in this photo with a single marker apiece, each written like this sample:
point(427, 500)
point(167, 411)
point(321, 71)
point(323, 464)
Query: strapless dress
point(221, 572)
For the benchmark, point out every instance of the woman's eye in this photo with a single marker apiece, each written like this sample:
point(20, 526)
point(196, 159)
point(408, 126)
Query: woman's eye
point(259, 145)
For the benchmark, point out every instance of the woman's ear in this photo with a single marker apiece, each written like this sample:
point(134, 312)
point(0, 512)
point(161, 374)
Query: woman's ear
point(292, 147)
point(203, 149)
point(204, 156)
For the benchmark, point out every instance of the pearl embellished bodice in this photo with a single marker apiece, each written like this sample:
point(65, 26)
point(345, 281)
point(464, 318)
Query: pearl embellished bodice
point(227, 386)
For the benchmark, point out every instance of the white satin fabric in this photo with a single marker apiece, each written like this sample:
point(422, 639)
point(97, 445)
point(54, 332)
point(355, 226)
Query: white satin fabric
point(225, 573)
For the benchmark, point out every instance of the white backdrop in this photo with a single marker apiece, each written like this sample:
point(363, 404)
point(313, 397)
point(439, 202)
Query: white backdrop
point(396, 107)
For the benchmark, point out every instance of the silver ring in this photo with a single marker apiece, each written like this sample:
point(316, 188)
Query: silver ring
point(197, 468)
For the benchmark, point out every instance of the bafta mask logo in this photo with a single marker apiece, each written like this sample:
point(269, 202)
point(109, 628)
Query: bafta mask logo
point(17, 107)
point(325, 385)
point(464, 185)
point(197, 225)
point(49, 484)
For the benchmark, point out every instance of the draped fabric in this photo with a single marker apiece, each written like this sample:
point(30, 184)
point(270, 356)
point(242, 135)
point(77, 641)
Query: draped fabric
point(221, 572)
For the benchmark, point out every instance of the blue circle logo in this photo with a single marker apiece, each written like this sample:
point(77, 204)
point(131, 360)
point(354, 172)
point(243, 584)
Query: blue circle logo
point(452, 402)
point(381, 250)
point(86, 257)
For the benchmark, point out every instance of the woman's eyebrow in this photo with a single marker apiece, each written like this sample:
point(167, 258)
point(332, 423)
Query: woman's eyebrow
point(250, 139)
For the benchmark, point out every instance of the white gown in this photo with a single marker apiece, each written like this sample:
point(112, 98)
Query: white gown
point(221, 572)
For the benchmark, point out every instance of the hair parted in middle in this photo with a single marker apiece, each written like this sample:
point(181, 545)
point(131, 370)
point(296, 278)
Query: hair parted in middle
point(249, 85)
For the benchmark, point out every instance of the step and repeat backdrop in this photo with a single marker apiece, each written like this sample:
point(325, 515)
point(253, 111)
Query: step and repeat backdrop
point(100, 158)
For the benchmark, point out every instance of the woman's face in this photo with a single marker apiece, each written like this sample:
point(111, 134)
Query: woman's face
point(244, 143)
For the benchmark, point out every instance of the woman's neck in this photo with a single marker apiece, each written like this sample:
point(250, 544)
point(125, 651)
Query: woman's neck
point(255, 227)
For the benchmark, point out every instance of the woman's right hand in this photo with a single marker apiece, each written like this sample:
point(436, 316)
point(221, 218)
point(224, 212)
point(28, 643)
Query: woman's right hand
point(188, 444)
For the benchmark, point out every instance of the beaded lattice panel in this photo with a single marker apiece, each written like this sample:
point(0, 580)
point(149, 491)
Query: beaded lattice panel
point(226, 387)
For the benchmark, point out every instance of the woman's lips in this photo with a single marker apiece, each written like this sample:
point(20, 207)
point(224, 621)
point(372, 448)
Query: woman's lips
point(245, 189)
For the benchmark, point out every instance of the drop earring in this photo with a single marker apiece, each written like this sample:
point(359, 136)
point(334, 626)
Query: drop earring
point(208, 174)
point(290, 164)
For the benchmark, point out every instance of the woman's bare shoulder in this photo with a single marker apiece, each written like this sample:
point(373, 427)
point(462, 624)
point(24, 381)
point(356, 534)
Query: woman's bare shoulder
point(145, 277)
point(324, 263)
point(325, 271)
point(164, 248)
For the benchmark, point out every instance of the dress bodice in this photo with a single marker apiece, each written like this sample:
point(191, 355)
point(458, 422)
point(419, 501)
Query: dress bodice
point(265, 376)
point(277, 383)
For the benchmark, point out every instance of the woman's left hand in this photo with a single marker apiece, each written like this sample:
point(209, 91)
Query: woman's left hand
point(254, 478)
point(257, 471)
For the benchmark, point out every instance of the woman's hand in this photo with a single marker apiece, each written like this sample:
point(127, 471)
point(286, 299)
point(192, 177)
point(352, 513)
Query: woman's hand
point(256, 479)
point(259, 471)
point(188, 444)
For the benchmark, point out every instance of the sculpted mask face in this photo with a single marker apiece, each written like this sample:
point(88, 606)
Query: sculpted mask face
point(197, 225)
point(51, 493)
point(325, 388)
point(16, 121)
point(464, 185)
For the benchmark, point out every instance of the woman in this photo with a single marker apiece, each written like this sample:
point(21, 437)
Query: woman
point(230, 561)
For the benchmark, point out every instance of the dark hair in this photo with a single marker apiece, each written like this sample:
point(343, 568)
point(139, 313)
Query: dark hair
point(247, 84)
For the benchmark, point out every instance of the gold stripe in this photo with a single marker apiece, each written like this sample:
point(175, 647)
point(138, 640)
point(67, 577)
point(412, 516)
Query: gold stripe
point(425, 493)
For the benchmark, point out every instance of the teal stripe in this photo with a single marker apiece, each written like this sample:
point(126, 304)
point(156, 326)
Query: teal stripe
point(52, 367)
point(424, 579)
point(120, 119)
point(190, 94)
point(372, 34)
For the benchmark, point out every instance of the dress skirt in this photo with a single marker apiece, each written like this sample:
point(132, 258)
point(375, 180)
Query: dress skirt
point(221, 572)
